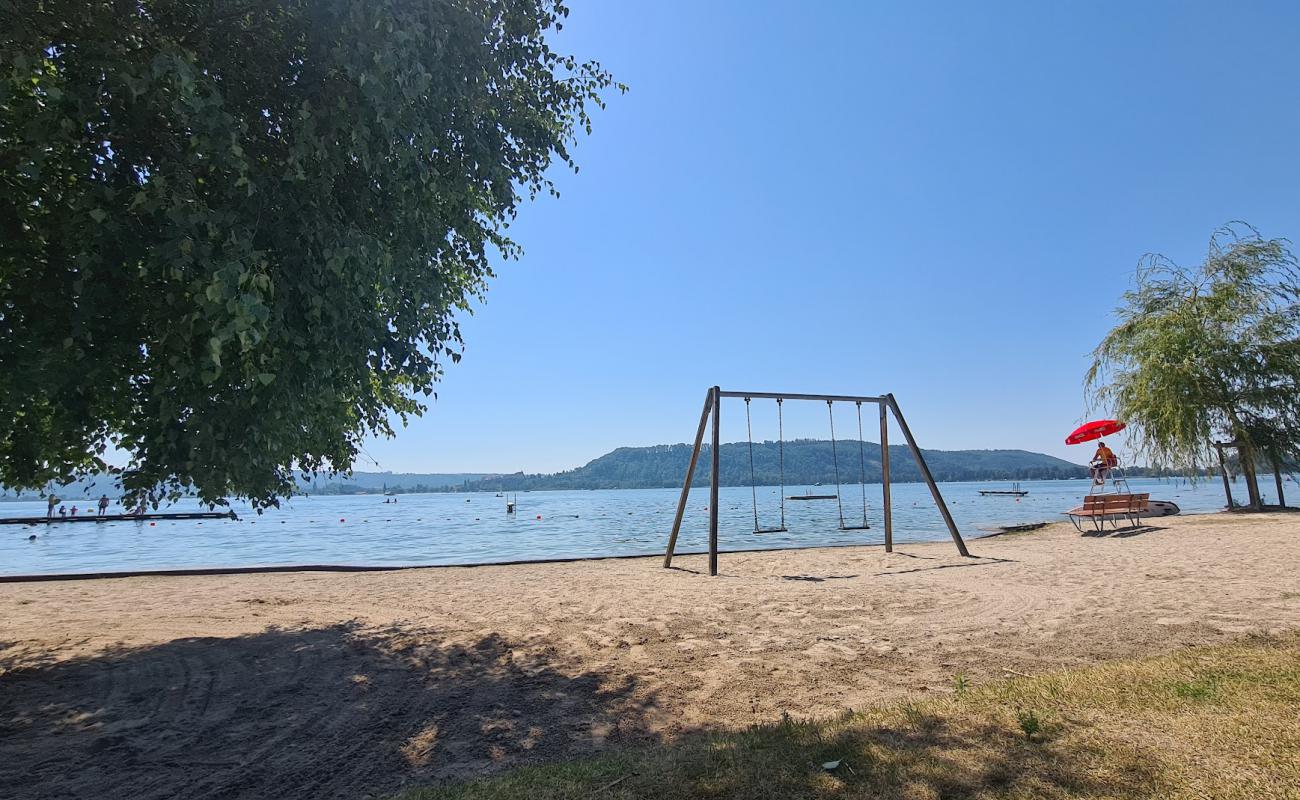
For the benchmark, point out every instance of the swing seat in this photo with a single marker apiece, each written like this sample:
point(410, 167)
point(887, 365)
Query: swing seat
point(781, 529)
point(855, 527)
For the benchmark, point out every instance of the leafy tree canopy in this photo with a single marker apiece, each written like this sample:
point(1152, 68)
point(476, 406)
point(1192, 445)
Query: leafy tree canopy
point(234, 234)
point(1207, 352)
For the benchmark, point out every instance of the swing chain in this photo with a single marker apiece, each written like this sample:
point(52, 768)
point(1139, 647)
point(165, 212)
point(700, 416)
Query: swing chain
point(753, 484)
point(780, 433)
point(862, 464)
point(830, 412)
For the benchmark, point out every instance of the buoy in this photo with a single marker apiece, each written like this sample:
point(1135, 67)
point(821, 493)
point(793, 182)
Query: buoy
point(151, 524)
point(539, 516)
point(342, 520)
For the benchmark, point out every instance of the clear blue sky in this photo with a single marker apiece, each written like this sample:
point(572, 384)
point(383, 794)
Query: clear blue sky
point(942, 200)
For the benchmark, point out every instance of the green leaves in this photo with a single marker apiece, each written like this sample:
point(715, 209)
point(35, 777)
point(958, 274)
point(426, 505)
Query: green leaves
point(1207, 352)
point(289, 206)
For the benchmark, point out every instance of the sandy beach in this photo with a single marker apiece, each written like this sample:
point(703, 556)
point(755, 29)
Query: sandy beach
point(358, 684)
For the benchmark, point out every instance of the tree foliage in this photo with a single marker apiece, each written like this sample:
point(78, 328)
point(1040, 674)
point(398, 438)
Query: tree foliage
point(1207, 352)
point(234, 234)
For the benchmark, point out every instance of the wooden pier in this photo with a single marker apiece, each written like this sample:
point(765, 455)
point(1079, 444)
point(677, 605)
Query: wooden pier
point(118, 517)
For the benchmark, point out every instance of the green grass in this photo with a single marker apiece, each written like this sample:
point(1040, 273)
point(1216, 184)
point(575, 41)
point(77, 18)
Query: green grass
point(1213, 723)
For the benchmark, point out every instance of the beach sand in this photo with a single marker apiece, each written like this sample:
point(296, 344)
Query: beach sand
point(357, 684)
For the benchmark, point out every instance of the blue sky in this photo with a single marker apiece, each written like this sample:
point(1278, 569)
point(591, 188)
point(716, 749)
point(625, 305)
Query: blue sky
point(942, 200)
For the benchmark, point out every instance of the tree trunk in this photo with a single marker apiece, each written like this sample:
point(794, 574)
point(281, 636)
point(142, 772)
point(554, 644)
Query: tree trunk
point(1247, 455)
point(1277, 478)
point(1223, 470)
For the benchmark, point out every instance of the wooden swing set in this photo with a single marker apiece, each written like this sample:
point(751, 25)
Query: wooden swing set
point(885, 403)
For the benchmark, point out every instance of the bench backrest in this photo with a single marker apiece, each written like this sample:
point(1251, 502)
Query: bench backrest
point(1118, 503)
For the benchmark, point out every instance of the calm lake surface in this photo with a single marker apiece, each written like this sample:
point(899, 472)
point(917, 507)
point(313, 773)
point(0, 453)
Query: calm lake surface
point(474, 528)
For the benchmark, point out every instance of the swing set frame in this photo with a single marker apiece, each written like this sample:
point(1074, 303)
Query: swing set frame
point(886, 404)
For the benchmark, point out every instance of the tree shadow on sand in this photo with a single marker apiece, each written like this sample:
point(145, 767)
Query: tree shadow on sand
point(327, 712)
point(921, 755)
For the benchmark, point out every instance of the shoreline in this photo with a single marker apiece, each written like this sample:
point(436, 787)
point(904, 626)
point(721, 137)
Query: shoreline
point(181, 685)
point(940, 536)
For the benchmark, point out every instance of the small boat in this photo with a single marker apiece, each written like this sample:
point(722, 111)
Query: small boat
point(1162, 508)
point(1014, 491)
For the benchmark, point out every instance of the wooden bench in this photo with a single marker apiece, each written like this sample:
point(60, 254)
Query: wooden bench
point(1103, 508)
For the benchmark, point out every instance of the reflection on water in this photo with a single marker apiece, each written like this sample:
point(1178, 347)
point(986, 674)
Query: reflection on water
point(474, 528)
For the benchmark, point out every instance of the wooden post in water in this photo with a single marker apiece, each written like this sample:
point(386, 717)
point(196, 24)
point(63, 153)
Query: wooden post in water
point(884, 478)
point(713, 484)
point(925, 473)
point(709, 400)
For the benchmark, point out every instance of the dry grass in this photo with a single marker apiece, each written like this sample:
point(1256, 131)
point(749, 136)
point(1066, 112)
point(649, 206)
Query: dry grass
point(1203, 723)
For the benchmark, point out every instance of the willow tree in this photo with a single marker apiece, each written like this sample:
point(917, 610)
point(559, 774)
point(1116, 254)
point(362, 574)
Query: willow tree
point(1205, 353)
point(234, 235)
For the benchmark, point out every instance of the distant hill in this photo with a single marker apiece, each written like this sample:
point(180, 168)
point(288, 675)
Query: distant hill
point(807, 461)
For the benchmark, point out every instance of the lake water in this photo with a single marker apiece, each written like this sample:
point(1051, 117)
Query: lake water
point(474, 528)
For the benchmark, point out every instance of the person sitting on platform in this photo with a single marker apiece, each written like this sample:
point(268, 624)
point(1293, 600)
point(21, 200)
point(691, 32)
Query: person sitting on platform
point(1103, 461)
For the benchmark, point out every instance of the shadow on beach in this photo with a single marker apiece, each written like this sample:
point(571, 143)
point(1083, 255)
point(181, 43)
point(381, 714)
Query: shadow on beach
point(327, 712)
point(337, 711)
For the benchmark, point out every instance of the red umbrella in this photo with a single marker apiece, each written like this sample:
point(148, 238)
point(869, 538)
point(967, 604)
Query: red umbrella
point(1096, 429)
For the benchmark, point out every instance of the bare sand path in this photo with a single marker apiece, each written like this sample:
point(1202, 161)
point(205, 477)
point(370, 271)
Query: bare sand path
point(351, 685)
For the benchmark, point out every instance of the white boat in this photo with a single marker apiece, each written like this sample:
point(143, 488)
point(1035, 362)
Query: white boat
point(1162, 508)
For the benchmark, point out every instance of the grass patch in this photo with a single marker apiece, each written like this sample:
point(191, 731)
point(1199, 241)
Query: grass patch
point(1216, 722)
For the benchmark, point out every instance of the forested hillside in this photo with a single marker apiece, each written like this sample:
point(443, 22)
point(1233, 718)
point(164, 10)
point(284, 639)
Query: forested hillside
point(806, 461)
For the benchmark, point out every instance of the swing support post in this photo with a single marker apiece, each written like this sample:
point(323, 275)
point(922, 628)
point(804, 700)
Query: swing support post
point(886, 404)
point(925, 473)
point(884, 478)
point(709, 402)
point(713, 485)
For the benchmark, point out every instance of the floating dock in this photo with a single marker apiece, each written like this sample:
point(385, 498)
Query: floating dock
point(812, 497)
point(1006, 492)
point(117, 518)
